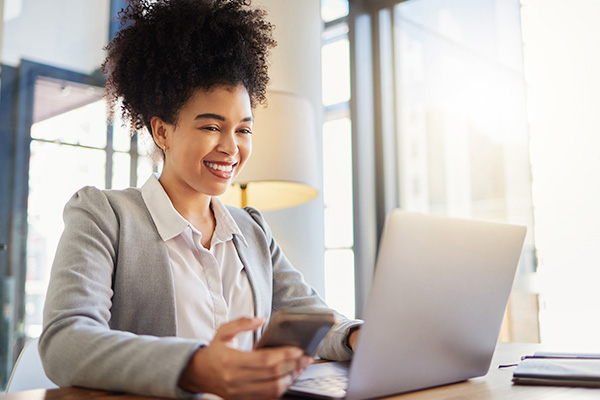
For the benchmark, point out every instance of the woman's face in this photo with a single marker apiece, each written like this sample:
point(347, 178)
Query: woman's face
point(210, 143)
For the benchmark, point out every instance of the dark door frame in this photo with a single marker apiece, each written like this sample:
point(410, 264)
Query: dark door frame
point(8, 94)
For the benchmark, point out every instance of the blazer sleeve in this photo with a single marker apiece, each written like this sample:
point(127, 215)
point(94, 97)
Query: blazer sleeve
point(77, 345)
point(291, 291)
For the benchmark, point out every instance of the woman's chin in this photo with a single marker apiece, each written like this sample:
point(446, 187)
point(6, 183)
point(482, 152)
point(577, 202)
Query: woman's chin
point(216, 192)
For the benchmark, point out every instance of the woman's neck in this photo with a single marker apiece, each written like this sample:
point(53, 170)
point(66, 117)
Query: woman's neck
point(194, 207)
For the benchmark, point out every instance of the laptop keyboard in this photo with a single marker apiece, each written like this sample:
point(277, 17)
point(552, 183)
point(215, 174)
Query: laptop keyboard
point(328, 383)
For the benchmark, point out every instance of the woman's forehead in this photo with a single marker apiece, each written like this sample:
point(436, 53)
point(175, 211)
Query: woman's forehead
point(219, 99)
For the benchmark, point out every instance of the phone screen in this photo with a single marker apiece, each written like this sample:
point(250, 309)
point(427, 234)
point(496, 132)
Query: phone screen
point(300, 329)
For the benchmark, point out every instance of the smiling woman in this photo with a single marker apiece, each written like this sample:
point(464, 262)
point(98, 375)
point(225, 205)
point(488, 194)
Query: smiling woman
point(165, 283)
point(204, 150)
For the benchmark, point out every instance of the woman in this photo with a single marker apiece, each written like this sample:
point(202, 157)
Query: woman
point(162, 290)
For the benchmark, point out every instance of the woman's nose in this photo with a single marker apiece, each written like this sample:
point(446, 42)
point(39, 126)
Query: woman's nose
point(228, 143)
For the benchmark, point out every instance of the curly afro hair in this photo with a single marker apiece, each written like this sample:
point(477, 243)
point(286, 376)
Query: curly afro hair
point(167, 49)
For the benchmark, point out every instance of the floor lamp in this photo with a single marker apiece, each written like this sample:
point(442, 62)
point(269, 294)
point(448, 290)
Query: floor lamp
point(283, 169)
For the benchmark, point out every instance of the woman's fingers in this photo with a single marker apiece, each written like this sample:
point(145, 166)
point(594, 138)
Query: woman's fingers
point(231, 373)
point(228, 331)
point(272, 389)
point(259, 365)
point(269, 376)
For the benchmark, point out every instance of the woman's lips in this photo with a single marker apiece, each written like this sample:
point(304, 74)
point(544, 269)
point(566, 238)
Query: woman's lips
point(221, 170)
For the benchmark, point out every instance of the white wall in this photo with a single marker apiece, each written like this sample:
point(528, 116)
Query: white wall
point(562, 63)
point(296, 68)
point(68, 34)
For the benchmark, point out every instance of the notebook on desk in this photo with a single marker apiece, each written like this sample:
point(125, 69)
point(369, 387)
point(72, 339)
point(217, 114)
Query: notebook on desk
point(434, 310)
point(559, 369)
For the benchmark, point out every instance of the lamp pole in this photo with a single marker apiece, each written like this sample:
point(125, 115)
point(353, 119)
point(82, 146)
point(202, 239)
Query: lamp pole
point(243, 187)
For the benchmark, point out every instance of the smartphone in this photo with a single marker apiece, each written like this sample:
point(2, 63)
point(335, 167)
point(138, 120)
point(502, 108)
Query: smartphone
point(297, 328)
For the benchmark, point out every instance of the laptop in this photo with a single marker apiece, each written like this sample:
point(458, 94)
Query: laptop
point(434, 310)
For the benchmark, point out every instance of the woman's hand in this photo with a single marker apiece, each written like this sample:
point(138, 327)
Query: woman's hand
point(233, 374)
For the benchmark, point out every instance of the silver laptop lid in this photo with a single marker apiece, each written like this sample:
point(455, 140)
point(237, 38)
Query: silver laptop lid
point(436, 304)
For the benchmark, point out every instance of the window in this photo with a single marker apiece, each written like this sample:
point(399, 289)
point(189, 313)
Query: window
point(461, 124)
point(49, 68)
point(337, 159)
point(561, 63)
point(487, 110)
point(71, 147)
point(439, 104)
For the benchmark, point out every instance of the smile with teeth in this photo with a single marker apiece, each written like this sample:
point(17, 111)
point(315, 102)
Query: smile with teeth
point(219, 167)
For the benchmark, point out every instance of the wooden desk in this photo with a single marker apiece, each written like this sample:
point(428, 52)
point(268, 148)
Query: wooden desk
point(496, 385)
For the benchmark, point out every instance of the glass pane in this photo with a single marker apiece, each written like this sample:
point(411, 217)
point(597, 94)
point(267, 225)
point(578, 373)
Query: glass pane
point(562, 88)
point(82, 123)
point(121, 137)
point(145, 168)
point(147, 151)
point(146, 145)
point(120, 172)
point(463, 142)
point(336, 72)
point(333, 9)
point(461, 123)
point(337, 163)
point(337, 183)
point(121, 131)
point(339, 281)
point(338, 227)
point(55, 172)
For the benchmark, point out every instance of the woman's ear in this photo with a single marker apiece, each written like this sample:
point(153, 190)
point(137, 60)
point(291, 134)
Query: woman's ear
point(159, 132)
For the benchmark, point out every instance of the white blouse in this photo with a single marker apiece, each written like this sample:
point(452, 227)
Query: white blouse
point(211, 286)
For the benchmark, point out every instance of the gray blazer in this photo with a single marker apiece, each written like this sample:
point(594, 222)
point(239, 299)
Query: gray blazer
point(109, 317)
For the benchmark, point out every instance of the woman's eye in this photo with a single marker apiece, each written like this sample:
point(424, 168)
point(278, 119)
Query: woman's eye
point(245, 131)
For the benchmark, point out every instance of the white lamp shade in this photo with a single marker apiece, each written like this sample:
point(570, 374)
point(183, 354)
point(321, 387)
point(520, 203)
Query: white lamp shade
point(283, 169)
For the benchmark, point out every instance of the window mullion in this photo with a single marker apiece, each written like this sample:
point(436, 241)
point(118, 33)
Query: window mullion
point(363, 157)
point(133, 161)
point(109, 156)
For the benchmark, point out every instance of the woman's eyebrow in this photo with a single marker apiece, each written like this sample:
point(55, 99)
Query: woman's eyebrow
point(220, 117)
point(210, 116)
